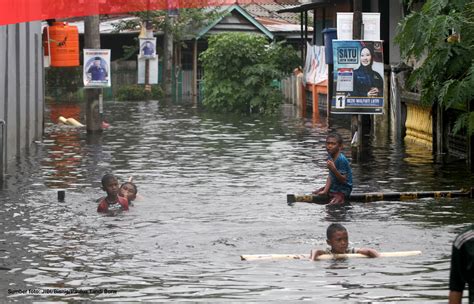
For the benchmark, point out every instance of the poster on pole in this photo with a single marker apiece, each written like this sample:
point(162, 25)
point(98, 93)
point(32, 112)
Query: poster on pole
point(96, 70)
point(147, 48)
point(358, 77)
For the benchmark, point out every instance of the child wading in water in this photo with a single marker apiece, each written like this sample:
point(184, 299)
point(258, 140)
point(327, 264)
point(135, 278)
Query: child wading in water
point(112, 201)
point(129, 191)
point(338, 240)
point(339, 181)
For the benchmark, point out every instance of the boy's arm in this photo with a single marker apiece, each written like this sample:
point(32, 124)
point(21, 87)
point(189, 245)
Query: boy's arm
point(455, 297)
point(102, 206)
point(324, 190)
point(326, 187)
point(313, 256)
point(371, 253)
point(332, 167)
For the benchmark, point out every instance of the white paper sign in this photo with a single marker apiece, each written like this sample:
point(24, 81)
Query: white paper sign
point(370, 26)
point(344, 26)
point(152, 72)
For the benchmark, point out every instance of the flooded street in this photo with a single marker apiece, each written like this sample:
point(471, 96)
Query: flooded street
point(214, 187)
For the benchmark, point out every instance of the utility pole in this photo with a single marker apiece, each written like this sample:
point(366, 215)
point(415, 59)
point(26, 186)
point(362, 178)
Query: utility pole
point(356, 121)
point(93, 96)
point(148, 27)
point(168, 55)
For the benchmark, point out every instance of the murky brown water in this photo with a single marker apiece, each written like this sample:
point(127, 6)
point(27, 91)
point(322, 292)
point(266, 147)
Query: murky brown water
point(214, 187)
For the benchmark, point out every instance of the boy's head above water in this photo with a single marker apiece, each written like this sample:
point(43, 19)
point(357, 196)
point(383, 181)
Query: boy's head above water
point(334, 143)
point(129, 191)
point(110, 185)
point(337, 238)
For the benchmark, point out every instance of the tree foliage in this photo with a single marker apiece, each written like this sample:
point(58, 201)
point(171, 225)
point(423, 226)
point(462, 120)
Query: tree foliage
point(239, 72)
point(440, 36)
point(186, 22)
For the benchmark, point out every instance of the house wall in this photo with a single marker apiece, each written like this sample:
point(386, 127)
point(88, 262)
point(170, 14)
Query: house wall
point(21, 89)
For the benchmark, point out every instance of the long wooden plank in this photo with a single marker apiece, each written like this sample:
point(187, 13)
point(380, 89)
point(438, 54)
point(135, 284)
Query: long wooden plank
point(261, 257)
point(381, 196)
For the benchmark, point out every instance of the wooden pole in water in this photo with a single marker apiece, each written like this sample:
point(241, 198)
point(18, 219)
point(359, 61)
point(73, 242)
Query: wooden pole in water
point(381, 196)
point(261, 257)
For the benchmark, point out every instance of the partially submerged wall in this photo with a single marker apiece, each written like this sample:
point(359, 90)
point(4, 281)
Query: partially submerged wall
point(21, 89)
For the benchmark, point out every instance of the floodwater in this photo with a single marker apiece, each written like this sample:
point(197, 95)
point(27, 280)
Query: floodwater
point(213, 188)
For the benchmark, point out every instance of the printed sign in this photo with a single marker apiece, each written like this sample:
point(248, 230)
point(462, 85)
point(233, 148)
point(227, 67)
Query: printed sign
point(147, 48)
point(358, 77)
point(345, 81)
point(370, 26)
point(96, 71)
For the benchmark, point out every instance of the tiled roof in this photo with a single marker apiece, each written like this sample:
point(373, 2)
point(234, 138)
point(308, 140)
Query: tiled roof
point(270, 11)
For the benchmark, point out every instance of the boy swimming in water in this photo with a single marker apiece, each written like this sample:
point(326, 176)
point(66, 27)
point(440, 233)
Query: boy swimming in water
point(338, 240)
point(339, 181)
point(112, 201)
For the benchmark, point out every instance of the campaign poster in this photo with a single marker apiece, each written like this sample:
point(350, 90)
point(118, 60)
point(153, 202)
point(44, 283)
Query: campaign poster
point(96, 73)
point(358, 77)
point(147, 48)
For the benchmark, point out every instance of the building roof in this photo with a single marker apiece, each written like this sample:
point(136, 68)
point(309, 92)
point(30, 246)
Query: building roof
point(307, 6)
point(270, 11)
point(262, 17)
point(231, 10)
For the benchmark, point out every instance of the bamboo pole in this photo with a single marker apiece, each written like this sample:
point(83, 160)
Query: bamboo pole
point(381, 196)
point(274, 257)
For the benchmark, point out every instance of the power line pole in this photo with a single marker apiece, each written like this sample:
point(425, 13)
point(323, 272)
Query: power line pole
point(93, 96)
point(356, 121)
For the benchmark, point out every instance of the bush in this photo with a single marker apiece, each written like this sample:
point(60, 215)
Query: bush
point(136, 92)
point(239, 70)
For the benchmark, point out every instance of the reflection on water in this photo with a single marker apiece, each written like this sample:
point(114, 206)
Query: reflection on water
point(214, 187)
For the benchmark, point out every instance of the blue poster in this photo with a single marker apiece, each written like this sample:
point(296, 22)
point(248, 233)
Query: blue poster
point(358, 77)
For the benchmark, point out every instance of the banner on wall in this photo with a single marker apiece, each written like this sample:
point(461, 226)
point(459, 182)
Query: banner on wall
point(358, 77)
point(96, 69)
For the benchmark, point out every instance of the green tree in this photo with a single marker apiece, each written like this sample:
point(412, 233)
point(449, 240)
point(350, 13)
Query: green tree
point(440, 36)
point(187, 20)
point(239, 73)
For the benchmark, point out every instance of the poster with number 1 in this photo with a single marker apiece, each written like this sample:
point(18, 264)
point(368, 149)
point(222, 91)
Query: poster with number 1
point(358, 77)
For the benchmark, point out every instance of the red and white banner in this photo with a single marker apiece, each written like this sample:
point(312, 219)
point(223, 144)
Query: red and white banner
point(17, 11)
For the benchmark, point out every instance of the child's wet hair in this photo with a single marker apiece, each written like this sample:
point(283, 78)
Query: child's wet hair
point(131, 184)
point(107, 177)
point(335, 135)
point(333, 228)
